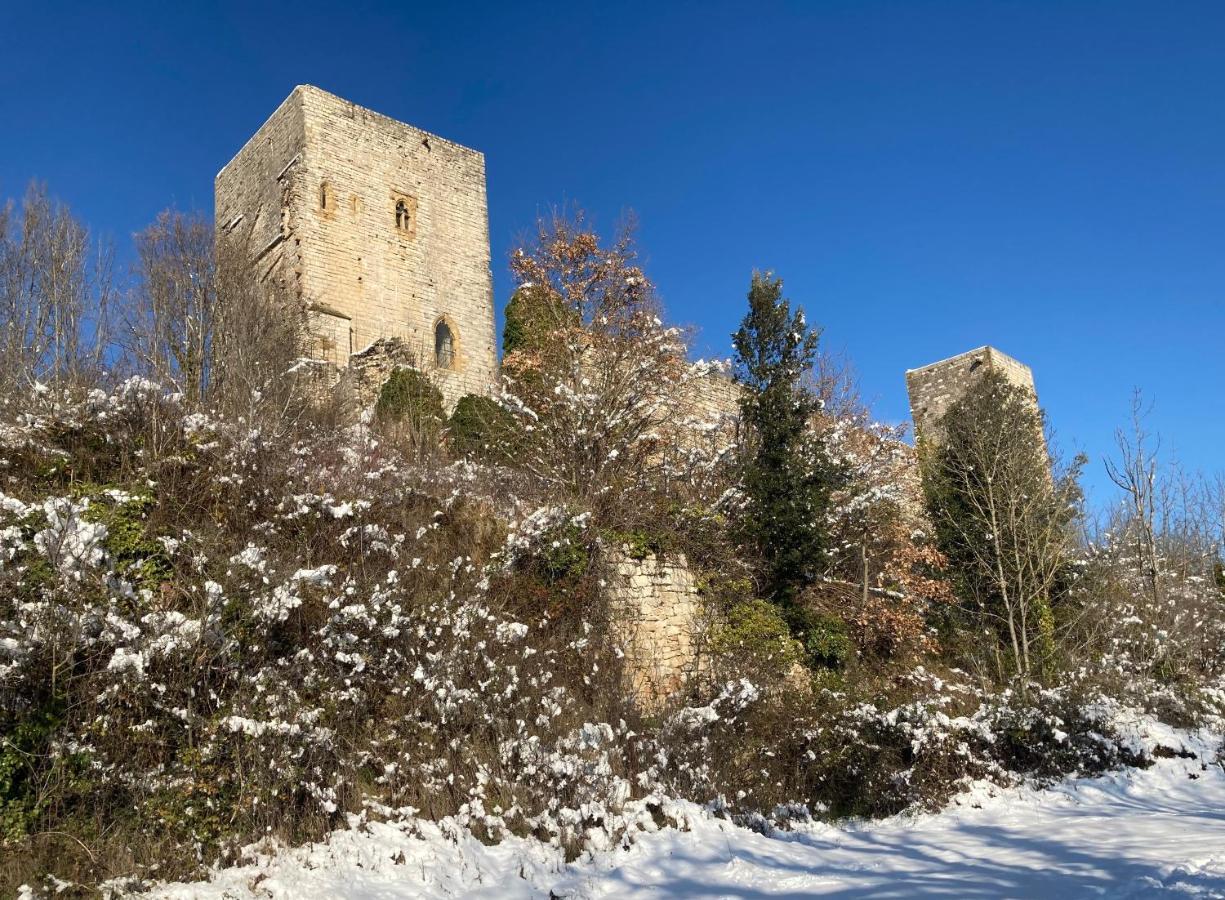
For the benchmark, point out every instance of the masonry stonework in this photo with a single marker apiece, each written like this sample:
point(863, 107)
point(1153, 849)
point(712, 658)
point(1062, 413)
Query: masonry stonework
point(656, 613)
point(382, 230)
point(703, 412)
point(935, 387)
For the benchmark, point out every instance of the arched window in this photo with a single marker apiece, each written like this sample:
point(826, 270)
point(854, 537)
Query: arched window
point(402, 217)
point(444, 346)
point(323, 195)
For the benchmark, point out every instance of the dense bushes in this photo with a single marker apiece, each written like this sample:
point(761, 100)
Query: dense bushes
point(409, 395)
point(222, 626)
point(479, 427)
point(208, 635)
point(269, 635)
point(753, 640)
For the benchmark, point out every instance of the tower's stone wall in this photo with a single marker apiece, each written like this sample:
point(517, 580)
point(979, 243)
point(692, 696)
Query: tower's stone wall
point(254, 193)
point(382, 229)
point(705, 409)
point(935, 387)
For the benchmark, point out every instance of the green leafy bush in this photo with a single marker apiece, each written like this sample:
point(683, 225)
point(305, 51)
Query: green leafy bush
point(827, 641)
point(564, 553)
point(532, 314)
point(137, 554)
point(409, 396)
point(20, 751)
point(754, 638)
point(480, 427)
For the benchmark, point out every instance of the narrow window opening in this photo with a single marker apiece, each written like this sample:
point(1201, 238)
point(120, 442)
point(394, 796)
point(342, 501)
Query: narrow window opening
point(444, 346)
point(323, 195)
point(402, 218)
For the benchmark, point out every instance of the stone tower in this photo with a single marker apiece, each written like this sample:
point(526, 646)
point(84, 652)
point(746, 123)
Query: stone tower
point(937, 386)
point(381, 229)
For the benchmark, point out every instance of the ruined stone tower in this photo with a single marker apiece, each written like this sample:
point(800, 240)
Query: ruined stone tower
point(935, 387)
point(382, 229)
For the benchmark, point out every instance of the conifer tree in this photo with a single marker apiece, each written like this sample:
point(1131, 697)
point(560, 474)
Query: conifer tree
point(788, 476)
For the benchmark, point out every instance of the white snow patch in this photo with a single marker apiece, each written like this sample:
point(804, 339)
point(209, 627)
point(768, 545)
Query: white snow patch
point(1133, 833)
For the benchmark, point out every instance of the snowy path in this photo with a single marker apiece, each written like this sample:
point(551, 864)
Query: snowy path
point(1133, 834)
point(1140, 834)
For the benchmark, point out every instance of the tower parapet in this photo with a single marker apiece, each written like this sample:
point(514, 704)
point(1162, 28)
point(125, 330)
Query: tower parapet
point(937, 386)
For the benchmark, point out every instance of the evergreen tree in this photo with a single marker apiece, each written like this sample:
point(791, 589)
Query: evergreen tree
point(788, 476)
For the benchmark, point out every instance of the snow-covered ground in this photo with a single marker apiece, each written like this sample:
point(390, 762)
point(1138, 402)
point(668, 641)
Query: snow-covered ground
point(1134, 833)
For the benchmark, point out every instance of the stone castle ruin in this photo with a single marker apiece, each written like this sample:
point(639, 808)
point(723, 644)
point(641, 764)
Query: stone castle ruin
point(381, 230)
point(937, 386)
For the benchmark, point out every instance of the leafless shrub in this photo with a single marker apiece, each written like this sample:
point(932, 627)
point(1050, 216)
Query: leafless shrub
point(590, 380)
point(170, 321)
point(259, 371)
point(202, 320)
point(56, 289)
point(1158, 605)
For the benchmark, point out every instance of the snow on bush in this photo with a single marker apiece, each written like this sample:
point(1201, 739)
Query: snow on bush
point(212, 635)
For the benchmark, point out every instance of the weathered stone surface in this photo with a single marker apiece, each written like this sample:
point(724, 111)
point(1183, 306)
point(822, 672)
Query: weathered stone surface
point(381, 228)
point(657, 614)
point(707, 409)
point(934, 388)
point(362, 381)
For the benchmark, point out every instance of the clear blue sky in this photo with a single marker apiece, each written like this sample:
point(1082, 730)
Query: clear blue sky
point(1047, 177)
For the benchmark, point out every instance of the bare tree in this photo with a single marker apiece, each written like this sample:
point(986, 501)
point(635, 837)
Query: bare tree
point(1135, 473)
point(56, 288)
point(205, 320)
point(257, 368)
point(170, 322)
point(590, 370)
point(1162, 614)
point(883, 553)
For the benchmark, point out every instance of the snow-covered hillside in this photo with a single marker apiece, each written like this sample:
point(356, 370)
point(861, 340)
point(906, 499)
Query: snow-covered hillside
point(1133, 833)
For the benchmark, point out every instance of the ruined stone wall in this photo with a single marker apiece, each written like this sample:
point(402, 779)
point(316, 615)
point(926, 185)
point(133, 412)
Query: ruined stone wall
point(710, 397)
point(385, 229)
point(935, 387)
point(657, 614)
point(705, 410)
point(362, 381)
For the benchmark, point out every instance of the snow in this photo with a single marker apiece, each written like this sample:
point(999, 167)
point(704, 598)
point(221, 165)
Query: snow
point(68, 541)
point(1130, 834)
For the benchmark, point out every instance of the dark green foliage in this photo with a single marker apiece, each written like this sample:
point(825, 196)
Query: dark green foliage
point(827, 641)
point(515, 330)
point(22, 753)
point(138, 556)
point(34, 778)
point(409, 396)
point(642, 543)
point(755, 635)
point(532, 314)
point(564, 553)
point(480, 427)
point(788, 478)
